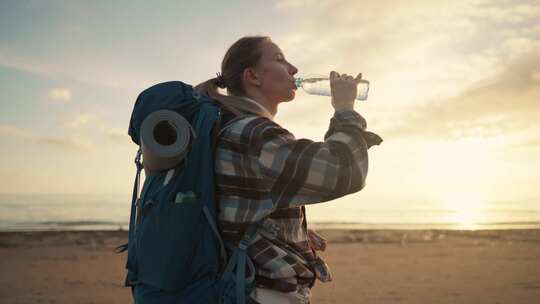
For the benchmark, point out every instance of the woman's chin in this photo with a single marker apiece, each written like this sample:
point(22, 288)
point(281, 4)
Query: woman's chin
point(290, 96)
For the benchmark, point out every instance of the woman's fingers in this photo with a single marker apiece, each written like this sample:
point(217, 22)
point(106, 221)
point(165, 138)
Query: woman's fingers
point(358, 78)
point(336, 75)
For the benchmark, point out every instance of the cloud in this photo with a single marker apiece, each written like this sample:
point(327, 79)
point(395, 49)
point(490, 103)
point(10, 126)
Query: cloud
point(507, 12)
point(80, 120)
point(506, 103)
point(412, 50)
point(119, 135)
point(103, 71)
point(14, 131)
point(437, 68)
point(535, 76)
point(71, 142)
point(60, 94)
point(530, 143)
point(78, 144)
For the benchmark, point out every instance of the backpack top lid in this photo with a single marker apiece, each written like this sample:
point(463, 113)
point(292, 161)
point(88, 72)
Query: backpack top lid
point(173, 95)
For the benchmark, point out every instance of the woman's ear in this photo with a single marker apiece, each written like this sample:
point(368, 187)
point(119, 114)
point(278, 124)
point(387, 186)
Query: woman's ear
point(251, 77)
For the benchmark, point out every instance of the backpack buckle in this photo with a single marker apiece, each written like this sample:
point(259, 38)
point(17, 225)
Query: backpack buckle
point(248, 236)
point(138, 160)
point(244, 243)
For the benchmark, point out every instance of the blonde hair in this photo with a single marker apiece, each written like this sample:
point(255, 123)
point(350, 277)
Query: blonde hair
point(243, 54)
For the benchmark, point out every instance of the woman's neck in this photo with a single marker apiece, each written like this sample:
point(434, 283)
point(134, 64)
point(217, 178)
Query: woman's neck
point(271, 107)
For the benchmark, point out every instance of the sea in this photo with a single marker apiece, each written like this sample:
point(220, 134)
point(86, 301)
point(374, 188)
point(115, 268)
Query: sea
point(45, 212)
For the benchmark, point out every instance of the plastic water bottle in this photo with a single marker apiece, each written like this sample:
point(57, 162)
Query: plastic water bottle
point(320, 85)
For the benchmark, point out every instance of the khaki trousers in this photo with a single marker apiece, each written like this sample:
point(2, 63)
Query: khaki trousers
point(269, 296)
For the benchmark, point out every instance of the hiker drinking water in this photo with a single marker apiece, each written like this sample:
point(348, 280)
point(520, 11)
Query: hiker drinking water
point(220, 217)
point(265, 176)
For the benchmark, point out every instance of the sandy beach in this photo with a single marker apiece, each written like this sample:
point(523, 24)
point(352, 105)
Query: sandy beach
point(373, 266)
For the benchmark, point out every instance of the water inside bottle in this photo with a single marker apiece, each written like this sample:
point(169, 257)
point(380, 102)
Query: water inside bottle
point(320, 85)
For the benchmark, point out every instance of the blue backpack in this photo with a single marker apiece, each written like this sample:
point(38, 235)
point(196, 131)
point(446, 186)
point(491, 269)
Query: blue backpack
point(175, 251)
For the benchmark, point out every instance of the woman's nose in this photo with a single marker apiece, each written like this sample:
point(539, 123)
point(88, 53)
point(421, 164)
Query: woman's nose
point(293, 70)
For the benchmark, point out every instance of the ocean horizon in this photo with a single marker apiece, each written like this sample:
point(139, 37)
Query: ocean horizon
point(63, 212)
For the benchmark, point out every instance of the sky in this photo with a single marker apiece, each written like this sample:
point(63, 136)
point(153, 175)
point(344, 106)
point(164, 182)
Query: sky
point(455, 90)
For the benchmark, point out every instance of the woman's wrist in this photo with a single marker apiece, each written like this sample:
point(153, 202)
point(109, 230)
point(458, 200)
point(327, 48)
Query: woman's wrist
point(344, 107)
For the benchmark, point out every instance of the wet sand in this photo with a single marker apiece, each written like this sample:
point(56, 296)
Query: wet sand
point(374, 266)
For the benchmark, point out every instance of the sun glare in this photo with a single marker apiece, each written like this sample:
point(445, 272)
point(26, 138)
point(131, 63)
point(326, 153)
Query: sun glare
point(468, 218)
point(467, 210)
point(460, 174)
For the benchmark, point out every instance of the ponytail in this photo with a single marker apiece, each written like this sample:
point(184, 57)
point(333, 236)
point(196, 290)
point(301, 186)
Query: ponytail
point(238, 105)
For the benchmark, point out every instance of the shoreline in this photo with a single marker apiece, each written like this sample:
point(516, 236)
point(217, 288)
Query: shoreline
point(98, 226)
point(366, 236)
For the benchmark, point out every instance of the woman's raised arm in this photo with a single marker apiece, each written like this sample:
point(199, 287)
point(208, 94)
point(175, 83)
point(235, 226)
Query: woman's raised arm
point(302, 171)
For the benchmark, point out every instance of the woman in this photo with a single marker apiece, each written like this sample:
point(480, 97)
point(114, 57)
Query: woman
point(265, 175)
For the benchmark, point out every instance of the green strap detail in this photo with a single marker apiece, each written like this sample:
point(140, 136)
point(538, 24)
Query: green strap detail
point(185, 197)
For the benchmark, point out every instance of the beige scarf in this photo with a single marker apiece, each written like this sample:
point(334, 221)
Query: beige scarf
point(239, 105)
point(251, 106)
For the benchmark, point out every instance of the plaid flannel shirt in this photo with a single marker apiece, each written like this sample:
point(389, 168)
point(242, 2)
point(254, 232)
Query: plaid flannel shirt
point(265, 175)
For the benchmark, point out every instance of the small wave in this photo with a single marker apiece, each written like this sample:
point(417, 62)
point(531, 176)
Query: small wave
point(79, 223)
point(429, 226)
point(63, 225)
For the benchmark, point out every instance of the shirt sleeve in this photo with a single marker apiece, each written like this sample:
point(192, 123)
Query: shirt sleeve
point(302, 171)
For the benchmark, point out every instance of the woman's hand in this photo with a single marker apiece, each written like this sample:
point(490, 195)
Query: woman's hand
point(344, 90)
point(316, 242)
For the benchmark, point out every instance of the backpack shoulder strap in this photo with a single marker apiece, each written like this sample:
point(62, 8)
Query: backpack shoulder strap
point(236, 266)
point(134, 199)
